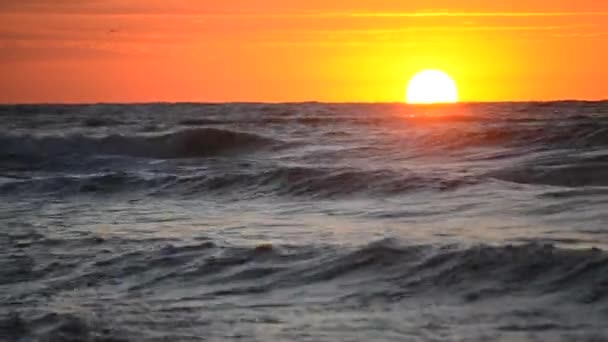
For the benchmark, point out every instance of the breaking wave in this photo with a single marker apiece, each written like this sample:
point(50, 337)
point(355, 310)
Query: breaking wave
point(323, 182)
point(284, 181)
point(578, 135)
point(384, 271)
point(187, 143)
point(473, 273)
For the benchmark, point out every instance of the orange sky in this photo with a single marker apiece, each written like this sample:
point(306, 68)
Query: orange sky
point(298, 50)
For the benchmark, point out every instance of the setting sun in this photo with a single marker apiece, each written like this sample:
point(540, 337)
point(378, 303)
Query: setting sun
point(431, 86)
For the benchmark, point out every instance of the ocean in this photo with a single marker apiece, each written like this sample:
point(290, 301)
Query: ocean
point(304, 222)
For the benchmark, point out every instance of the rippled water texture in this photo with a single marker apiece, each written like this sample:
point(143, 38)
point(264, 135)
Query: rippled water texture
point(304, 222)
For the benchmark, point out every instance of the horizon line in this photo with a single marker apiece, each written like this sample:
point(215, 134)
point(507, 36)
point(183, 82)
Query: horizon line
point(92, 103)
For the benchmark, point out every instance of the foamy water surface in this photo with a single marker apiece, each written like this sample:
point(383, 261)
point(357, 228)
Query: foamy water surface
point(304, 222)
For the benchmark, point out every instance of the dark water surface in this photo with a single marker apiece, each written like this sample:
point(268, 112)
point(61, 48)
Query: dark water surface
point(304, 222)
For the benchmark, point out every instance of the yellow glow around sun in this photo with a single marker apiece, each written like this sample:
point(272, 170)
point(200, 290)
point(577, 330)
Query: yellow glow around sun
point(431, 86)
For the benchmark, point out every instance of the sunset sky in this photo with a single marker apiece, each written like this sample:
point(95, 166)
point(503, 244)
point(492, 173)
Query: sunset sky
point(299, 50)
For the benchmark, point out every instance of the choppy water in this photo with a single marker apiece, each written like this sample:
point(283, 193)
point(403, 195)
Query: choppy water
point(304, 222)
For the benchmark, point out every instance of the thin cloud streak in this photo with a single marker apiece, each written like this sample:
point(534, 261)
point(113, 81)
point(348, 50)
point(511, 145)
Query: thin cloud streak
point(478, 14)
point(451, 28)
point(307, 14)
point(400, 14)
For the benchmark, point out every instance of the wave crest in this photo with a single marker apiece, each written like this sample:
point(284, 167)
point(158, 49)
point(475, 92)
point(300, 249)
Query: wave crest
point(473, 273)
point(189, 143)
